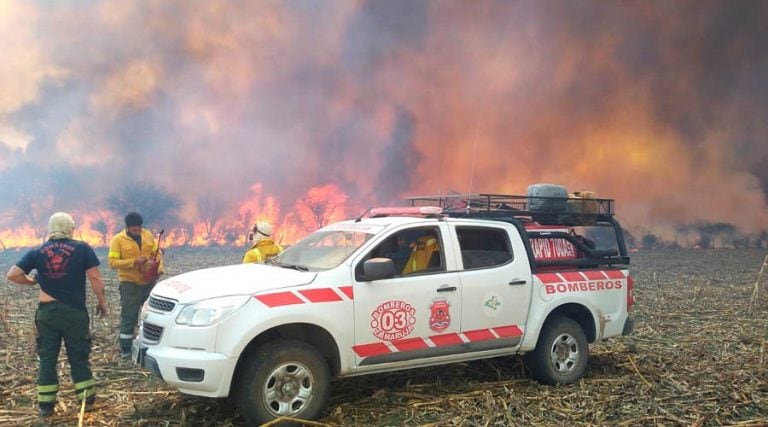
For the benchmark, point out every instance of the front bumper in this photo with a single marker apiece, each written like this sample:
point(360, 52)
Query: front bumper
point(196, 372)
point(139, 356)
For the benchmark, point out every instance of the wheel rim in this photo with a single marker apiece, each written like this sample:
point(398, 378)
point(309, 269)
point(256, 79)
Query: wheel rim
point(565, 354)
point(288, 389)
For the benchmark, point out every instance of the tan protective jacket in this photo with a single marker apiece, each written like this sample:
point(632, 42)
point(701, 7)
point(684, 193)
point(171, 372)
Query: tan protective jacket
point(423, 249)
point(123, 251)
point(262, 250)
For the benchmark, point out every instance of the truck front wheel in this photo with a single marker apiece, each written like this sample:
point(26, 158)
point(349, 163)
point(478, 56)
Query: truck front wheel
point(283, 379)
point(561, 354)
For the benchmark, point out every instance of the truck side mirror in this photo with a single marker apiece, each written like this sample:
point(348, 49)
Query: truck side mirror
point(378, 268)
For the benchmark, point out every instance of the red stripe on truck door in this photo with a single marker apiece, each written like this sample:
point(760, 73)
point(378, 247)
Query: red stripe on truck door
point(446, 339)
point(410, 344)
point(508, 331)
point(479, 335)
point(373, 349)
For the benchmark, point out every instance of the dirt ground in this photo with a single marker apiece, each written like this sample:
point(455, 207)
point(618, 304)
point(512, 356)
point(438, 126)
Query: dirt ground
point(697, 357)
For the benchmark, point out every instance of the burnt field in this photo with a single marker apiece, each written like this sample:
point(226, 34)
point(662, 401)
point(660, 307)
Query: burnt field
point(698, 357)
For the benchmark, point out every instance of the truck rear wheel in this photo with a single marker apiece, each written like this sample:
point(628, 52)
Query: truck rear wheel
point(283, 379)
point(561, 354)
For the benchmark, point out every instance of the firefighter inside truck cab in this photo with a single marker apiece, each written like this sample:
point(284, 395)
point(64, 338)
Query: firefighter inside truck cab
point(425, 253)
point(411, 251)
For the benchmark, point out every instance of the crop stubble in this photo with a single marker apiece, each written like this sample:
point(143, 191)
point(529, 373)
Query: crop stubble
point(697, 357)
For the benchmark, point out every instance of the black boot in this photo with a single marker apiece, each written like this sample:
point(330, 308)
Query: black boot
point(46, 410)
point(125, 348)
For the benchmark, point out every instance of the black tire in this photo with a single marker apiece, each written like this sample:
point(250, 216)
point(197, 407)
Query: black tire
point(561, 354)
point(283, 378)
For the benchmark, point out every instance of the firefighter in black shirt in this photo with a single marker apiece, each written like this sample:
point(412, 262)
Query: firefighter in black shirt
point(62, 264)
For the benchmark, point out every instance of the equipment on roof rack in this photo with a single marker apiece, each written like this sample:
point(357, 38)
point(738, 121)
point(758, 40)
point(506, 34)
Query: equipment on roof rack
point(547, 198)
point(540, 205)
point(547, 215)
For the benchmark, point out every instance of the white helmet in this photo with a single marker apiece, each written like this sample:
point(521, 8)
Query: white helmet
point(264, 228)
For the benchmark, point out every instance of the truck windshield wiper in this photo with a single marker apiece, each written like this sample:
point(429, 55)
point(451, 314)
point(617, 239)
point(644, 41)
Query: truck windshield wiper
point(293, 266)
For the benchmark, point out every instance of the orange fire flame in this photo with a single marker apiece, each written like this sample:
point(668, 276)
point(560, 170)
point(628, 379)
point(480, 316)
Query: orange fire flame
point(379, 99)
point(320, 206)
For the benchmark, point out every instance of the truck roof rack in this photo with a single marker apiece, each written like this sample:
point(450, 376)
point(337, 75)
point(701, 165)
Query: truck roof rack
point(544, 210)
point(528, 211)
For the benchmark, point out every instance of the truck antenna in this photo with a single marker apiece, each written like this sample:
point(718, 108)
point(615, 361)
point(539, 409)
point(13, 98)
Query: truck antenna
point(359, 218)
point(474, 155)
point(501, 64)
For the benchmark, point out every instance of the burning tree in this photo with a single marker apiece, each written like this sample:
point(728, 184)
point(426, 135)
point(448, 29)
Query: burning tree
point(211, 210)
point(34, 211)
point(103, 228)
point(321, 205)
point(152, 202)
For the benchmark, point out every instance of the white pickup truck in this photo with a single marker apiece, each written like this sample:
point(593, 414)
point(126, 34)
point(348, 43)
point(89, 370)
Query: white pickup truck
point(399, 288)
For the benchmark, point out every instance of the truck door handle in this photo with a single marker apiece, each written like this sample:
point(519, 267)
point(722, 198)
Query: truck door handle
point(518, 282)
point(446, 289)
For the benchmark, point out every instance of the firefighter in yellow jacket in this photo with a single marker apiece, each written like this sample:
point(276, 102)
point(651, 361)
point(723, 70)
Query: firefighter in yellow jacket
point(425, 252)
point(263, 247)
point(129, 253)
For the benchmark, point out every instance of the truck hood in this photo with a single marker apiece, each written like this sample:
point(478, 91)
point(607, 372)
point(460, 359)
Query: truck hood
point(237, 279)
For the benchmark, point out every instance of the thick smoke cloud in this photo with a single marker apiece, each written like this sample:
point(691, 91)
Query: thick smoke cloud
point(659, 105)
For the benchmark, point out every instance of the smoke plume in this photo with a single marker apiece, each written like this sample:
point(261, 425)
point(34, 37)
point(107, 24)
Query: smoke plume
point(660, 105)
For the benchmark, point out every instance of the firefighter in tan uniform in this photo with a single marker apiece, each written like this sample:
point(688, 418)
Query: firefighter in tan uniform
point(129, 253)
point(263, 247)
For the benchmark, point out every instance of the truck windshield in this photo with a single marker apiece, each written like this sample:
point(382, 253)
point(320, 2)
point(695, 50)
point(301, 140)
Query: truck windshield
point(322, 250)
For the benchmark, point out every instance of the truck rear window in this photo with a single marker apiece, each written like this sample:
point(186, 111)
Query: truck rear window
point(483, 247)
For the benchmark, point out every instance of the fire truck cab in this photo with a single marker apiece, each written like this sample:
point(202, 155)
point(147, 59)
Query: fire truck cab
point(443, 280)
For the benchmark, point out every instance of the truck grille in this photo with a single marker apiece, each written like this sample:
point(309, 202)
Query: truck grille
point(151, 332)
point(161, 304)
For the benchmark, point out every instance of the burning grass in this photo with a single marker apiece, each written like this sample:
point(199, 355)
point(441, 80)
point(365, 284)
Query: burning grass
point(697, 358)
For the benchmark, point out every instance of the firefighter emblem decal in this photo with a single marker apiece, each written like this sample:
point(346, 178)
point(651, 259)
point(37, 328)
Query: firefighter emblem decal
point(393, 320)
point(439, 315)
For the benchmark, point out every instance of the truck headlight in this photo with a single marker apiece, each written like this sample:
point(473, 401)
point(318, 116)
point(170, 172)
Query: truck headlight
point(210, 311)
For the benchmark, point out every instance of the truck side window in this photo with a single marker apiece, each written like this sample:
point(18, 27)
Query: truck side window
point(483, 247)
point(412, 251)
point(425, 253)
